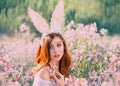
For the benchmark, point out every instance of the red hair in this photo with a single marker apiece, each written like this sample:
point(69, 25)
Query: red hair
point(43, 56)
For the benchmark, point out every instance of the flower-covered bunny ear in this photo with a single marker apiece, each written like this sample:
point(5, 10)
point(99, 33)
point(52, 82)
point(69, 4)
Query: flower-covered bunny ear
point(39, 22)
point(57, 19)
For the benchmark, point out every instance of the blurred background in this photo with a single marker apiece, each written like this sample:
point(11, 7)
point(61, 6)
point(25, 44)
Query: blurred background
point(106, 14)
point(95, 51)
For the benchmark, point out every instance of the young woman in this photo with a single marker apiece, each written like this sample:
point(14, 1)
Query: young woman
point(53, 61)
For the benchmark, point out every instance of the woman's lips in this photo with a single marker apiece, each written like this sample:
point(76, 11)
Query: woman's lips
point(56, 55)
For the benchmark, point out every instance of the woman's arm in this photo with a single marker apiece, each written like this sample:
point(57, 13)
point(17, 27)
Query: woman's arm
point(36, 81)
point(41, 76)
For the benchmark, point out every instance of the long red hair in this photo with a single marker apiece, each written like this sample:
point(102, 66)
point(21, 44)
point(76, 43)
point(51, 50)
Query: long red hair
point(43, 56)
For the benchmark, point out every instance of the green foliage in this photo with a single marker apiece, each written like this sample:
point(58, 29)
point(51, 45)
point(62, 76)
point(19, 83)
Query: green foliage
point(90, 61)
point(105, 13)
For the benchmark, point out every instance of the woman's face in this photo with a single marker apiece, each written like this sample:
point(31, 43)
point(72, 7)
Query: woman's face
point(56, 49)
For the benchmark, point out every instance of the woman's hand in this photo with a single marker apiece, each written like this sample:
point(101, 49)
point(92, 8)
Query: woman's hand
point(59, 78)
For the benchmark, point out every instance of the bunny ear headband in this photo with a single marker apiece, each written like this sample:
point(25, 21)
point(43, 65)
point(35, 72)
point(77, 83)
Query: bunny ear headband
point(41, 24)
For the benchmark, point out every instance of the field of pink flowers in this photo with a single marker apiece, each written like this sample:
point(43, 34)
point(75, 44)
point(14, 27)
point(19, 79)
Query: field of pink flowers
point(95, 56)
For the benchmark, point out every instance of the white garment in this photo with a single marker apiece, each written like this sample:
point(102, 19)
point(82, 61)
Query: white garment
point(40, 82)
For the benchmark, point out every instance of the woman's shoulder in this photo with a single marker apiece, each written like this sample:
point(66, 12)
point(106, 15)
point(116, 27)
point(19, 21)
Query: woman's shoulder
point(43, 73)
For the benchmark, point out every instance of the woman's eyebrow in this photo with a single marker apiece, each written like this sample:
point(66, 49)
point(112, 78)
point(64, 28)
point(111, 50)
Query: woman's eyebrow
point(51, 45)
point(59, 42)
point(56, 43)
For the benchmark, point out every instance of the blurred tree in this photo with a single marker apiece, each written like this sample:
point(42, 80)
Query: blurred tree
point(105, 13)
point(111, 15)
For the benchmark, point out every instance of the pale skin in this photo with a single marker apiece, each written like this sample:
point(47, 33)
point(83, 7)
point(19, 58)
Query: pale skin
point(56, 53)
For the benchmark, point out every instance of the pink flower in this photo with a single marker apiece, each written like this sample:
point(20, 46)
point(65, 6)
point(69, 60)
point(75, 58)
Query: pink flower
point(23, 27)
point(103, 31)
point(107, 83)
point(83, 82)
point(3, 75)
point(93, 75)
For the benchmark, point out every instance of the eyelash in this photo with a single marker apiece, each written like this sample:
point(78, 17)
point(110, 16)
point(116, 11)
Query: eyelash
point(50, 47)
point(58, 45)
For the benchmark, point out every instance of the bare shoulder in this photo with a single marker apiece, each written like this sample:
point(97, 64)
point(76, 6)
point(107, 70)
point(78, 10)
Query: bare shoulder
point(44, 73)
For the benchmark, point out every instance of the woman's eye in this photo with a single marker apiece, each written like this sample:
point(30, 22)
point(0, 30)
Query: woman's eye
point(50, 47)
point(59, 45)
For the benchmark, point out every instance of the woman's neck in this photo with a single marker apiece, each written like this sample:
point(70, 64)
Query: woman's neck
point(54, 64)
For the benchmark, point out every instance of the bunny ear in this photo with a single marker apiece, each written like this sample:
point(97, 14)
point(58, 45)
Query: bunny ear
point(38, 21)
point(57, 16)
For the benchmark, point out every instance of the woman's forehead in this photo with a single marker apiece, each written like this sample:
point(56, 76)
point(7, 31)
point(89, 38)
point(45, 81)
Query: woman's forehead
point(56, 40)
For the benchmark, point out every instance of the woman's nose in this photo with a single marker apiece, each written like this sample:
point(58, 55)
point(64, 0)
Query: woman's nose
point(55, 49)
